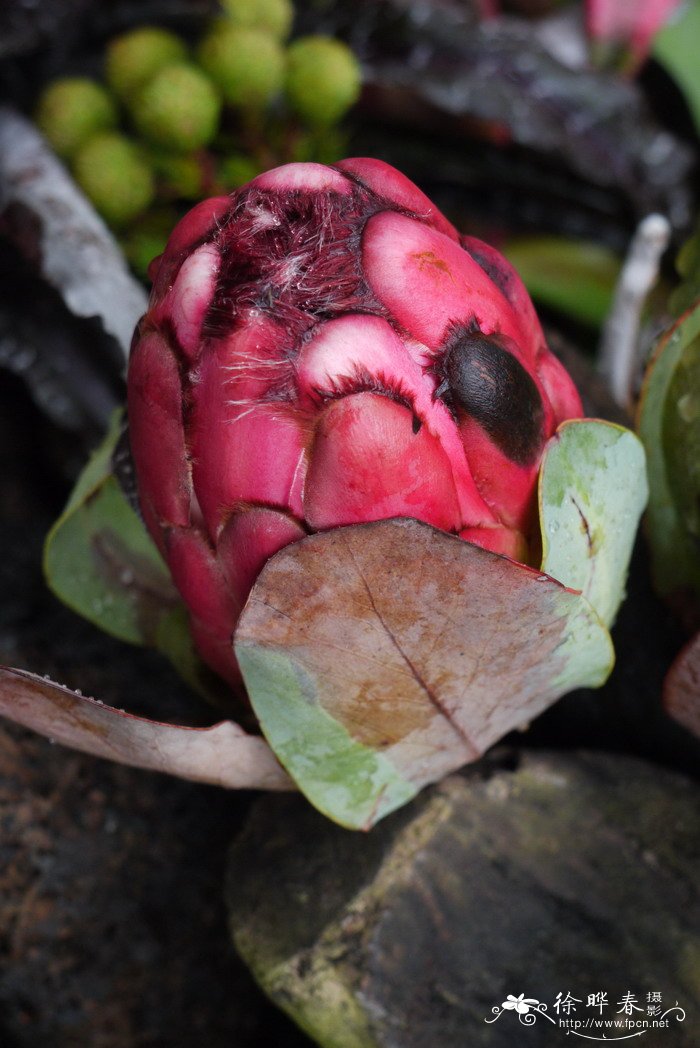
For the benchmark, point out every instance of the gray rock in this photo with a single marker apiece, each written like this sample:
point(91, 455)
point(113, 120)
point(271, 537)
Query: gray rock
point(572, 873)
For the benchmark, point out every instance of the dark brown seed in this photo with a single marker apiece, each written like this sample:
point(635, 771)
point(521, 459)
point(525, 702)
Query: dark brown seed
point(489, 383)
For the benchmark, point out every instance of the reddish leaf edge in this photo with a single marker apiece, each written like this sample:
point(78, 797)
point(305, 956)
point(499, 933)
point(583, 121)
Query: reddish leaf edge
point(222, 754)
point(681, 689)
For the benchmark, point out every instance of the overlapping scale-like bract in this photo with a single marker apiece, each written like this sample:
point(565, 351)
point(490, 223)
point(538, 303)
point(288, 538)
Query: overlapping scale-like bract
point(323, 348)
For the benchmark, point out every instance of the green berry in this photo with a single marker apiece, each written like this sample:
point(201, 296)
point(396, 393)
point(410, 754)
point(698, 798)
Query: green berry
point(325, 145)
point(148, 238)
point(115, 176)
point(72, 110)
point(275, 16)
point(179, 175)
point(178, 109)
point(134, 58)
point(236, 170)
point(247, 65)
point(323, 79)
point(140, 248)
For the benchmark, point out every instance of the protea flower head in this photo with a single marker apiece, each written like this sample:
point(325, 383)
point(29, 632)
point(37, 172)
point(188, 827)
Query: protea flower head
point(323, 348)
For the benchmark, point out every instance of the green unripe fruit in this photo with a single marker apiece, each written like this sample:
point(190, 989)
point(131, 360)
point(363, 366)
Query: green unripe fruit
point(134, 58)
point(275, 16)
point(236, 170)
point(71, 110)
point(323, 79)
point(247, 65)
point(178, 109)
point(141, 247)
point(321, 146)
point(179, 175)
point(115, 176)
point(148, 238)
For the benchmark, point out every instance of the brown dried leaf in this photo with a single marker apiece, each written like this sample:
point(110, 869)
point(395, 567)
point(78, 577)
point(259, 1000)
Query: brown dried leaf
point(682, 687)
point(382, 656)
point(223, 754)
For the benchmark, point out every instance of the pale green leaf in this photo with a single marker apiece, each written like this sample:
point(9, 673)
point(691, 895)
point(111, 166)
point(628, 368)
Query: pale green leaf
point(100, 560)
point(669, 425)
point(592, 492)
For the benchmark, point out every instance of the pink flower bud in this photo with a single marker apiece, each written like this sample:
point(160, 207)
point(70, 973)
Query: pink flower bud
point(322, 348)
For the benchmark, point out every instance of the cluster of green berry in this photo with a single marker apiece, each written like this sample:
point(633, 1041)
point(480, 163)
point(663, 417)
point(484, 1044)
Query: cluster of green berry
point(197, 125)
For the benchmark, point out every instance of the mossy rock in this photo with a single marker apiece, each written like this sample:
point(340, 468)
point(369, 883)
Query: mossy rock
point(571, 873)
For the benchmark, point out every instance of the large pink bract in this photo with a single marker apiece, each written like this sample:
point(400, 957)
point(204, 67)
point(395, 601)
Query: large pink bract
point(323, 348)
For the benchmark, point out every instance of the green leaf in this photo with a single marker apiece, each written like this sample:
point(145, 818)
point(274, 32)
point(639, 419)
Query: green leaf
point(669, 426)
point(592, 492)
point(349, 781)
point(676, 48)
point(575, 277)
point(380, 657)
point(100, 560)
point(687, 293)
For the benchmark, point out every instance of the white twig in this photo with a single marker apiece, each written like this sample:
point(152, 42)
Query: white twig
point(619, 345)
point(78, 254)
